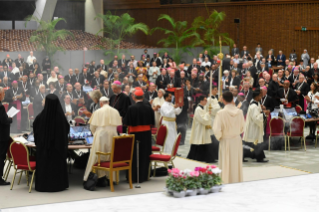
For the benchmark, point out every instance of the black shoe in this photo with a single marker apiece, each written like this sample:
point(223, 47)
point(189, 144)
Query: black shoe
point(262, 161)
point(245, 160)
point(101, 182)
point(3, 183)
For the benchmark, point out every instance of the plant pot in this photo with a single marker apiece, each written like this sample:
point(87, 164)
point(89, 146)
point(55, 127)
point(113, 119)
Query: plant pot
point(220, 187)
point(167, 191)
point(191, 192)
point(214, 189)
point(179, 194)
point(203, 191)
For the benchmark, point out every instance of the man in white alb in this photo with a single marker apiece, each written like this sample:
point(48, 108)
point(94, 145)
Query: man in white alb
point(30, 58)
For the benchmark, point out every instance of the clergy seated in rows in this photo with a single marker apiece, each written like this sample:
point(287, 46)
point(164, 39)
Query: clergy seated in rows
point(139, 119)
point(103, 124)
point(313, 101)
point(287, 95)
point(201, 132)
point(156, 105)
point(254, 127)
point(15, 96)
point(52, 78)
point(39, 98)
point(169, 112)
point(228, 125)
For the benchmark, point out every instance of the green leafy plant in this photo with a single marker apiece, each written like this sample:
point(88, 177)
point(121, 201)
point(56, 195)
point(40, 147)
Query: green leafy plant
point(178, 35)
point(116, 29)
point(46, 36)
point(210, 28)
point(192, 183)
point(176, 183)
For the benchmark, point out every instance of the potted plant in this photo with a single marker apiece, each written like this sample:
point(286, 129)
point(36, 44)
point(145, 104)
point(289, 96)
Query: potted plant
point(204, 179)
point(176, 183)
point(192, 183)
point(216, 182)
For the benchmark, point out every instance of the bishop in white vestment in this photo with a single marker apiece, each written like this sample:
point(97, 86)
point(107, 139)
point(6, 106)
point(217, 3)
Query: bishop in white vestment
point(169, 112)
point(103, 124)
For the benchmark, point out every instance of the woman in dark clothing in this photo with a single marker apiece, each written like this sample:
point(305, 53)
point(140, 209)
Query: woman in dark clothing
point(52, 147)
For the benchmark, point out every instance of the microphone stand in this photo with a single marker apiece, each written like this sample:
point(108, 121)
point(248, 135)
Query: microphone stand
point(138, 164)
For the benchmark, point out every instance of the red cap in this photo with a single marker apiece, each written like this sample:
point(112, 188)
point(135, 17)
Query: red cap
point(218, 61)
point(287, 81)
point(139, 92)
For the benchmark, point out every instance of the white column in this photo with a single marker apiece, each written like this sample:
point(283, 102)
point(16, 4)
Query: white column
point(45, 9)
point(92, 8)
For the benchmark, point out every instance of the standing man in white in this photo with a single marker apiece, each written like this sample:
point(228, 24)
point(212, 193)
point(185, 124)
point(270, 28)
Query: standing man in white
point(169, 112)
point(30, 58)
point(228, 125)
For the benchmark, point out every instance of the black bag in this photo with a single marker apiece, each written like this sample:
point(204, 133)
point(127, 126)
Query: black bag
point(80, 162)
point(91, 182)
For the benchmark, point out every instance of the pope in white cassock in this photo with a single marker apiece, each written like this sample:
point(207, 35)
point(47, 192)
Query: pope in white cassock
point(169, 112)
point(229, 123)
point(103, 124)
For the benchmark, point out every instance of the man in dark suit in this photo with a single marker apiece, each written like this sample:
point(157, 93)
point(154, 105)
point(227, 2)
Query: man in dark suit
point(172, 81)
point(301, 89)
point(270, 59)
point(85, 77)
point(161, 80)
point(35, 90)
point(19, 61)
point(145, 54)
point(25, 85)
point(20, 74)
point(5, 122)
point(192, 66)
point(244, 53)
point(112, 62)
point(140, 83)
point(38, 102)
point(76, 77)
point(253, 72)
point(98, 80)
point(235, 50)
point(122, 61)
point(248, 93)
point(281, 58)
point(257, 62)
point(67, 78)
point(156, 59)
point(107, 90)
point(101, 65)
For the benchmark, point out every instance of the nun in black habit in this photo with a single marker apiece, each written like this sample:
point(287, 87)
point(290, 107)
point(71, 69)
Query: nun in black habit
point(51, 131)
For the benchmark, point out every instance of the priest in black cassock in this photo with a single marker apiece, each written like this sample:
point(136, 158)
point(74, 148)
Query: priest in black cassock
point(52, 147)
point(15, 96)
point(139, 119)
point(120, 101)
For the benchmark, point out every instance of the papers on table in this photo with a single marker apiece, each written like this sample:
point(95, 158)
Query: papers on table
point(21, 139)
point(12, 112)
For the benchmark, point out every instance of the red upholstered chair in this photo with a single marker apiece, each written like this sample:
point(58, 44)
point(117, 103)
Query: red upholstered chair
point(120, 158)
point(298, 109)
point(9, 160)
point(6, 106)
point(30, 114)
point(160, 139)
point(154, 132)
point(277, 126)
point(79, 120)
point(270, 72)
point(260, 75)
point(20, 157)
point(297, 126)
point(165, 159)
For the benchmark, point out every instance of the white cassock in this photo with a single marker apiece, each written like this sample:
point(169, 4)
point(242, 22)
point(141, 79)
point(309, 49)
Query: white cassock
point(229, 123)
point(169, 119)
point(254, 127)
point(158, 101)
point(213, 102)
point(103, 124)
point(201, 128)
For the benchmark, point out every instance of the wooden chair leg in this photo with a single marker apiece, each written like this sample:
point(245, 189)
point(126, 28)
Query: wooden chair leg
point(31, 181)
point(20, 177)
point(117, 177)
point(304, 142)
point(149, 170)
point(14, 177)
point(27, 176)
point(111, 181)
point(130, 178)
point(154, 172)
point(173, 165)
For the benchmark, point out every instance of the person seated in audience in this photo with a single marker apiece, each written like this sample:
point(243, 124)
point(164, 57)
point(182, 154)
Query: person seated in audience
point(205, 63)
point(97, 81)
point(121, 74)
point(15, 69)
point(233, 80)
point(20, 74)
point(61, 86)
point(267, 79)
point(249, 79)
point(172, 81)
point(24, 85)
point(107, 90)
point(305, 57)
point(7, 73)
point(281, 58)
point(131, 73)
point(146, 55)
point(110, 74)
point(76, 77)
point(30, 58)
point(7, 61)
point(153, 72)
point(5, 83)
point(147, 63)
point(192, 66)
point(101, 65)
point(124, 83)
point(301, 89)
point(312, 99)
point(315, 69)
point(116, 77)
point(151, 94)
point(280, 78)
point(287, 75)
point(287, 95)
point(115, 65)
point(115, 59)
point(273, 87)
point(294, 78)
point(161, 80)
point(95, 104)
point(69, 108)
point(316, 78)
point(52, 89)
point(85, 77)
point(39, 100)
point(142, 70)
point(247, 91)
point(19, 61)
point(34, 90)
point(41, 81)
point(165, 56)
point(68, 77)
point(127, 90)
point(287, 65)
point(31, 79)
point(172, 63)
point(53, 78)
point(140, 83)
point(165, 63)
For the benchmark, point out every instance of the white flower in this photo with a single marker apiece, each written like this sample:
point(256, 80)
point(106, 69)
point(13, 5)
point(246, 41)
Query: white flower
point(216, 170)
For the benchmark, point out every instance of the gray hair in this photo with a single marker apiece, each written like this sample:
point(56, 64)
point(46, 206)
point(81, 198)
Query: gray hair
point(41, 86)
point(161, 90)
point(95, 95)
